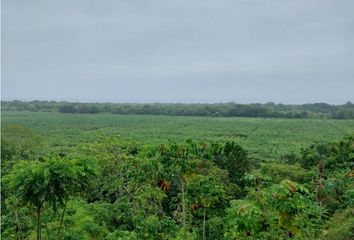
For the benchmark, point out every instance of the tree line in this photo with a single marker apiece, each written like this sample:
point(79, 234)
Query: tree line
point(114, 189)
point(268, 110)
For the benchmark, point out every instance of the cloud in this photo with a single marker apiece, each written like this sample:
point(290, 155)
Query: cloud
point(155, 50)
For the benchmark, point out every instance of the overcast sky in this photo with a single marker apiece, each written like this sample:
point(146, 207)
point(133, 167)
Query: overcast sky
point(289, 51)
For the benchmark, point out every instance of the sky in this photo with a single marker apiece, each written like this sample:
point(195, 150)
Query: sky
point(243, 51)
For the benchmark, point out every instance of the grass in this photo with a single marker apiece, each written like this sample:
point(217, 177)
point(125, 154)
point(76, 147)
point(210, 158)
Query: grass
point(264, 138)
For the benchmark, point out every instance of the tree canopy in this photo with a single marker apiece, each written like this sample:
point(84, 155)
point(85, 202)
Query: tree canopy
point(268, 110)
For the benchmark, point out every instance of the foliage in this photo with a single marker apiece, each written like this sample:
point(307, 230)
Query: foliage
point(50, 182)
point(88, 183)
point(264, 139)
point(318, 110)
point(295, 209)
point(19, 142)
point(276, 172)
point(341, 226)
point(234, 159)
point(244, 220)
point(334, 155)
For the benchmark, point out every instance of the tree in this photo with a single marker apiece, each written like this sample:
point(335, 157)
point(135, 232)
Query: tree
point(67, 108)
point(243, 220)
point(50, 182)
point(233, 158)
point(204, 192)
point(289, 200)
point(179, 162)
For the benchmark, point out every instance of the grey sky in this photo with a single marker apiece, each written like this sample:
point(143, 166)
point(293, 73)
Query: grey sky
point(289, 51)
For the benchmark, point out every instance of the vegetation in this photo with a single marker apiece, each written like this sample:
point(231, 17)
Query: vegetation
point(268, 110)
point(268, 139)
point(71, 177)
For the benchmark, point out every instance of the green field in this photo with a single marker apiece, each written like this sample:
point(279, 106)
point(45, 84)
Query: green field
point(264, 138)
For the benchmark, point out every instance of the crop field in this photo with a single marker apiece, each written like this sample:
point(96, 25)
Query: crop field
point(267, 139)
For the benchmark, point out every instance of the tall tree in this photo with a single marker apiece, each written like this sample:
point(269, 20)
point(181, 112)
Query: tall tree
point(50, 182)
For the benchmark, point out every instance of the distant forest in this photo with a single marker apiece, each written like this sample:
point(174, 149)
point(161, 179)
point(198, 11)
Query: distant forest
point(268, 110)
